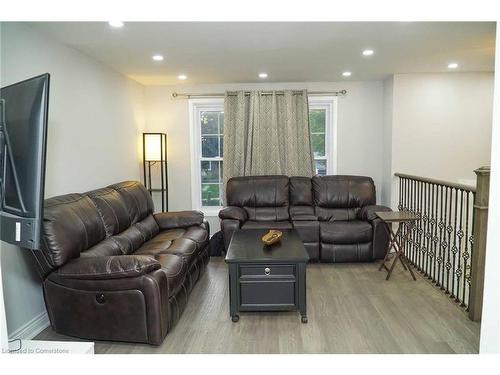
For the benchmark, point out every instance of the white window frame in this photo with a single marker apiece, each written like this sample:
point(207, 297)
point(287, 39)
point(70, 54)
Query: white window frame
point(196, 106)
point(329, 104)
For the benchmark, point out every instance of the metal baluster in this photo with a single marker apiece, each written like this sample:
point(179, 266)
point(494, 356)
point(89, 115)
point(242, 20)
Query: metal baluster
point(404, 200)
point(440, 226)
point(454, 249)
point(471, 250)
point(460, 235)
point(446, 248)
point(458, 253)
point(400, 194)
point(409, 247)
point(432, 253)
point(435, 239)
point(466, 255)
point(404, 194)
point(421, 226)
point(449, 229)
point(427, 232)
point(414, 229)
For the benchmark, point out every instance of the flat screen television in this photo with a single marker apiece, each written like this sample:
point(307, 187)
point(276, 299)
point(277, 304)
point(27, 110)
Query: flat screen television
point(23, 139)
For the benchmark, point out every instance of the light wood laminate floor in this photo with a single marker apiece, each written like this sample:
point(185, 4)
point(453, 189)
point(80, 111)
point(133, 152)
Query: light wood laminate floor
point(351, 309)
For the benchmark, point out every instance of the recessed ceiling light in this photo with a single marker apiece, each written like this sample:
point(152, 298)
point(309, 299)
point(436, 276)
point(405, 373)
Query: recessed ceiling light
point(157, 57)
point(346, 74)
point(452, 65)
point(115, 23)
point(368, 52)
point(182, 77)
point(262, 75)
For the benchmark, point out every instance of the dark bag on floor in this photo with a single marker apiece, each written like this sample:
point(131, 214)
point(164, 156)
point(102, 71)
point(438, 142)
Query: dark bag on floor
point(216, 245)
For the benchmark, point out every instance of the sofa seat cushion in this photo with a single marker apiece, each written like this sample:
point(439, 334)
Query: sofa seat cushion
point(267, 225)
point(346, 232)
point(184, 248)
point(161, 242)
point(175, 269)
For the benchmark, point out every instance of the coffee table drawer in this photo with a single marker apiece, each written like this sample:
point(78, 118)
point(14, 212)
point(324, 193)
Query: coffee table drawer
point(267, 295)
point(256, 270)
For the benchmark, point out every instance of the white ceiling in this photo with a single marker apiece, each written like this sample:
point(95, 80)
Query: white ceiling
point(289, 52)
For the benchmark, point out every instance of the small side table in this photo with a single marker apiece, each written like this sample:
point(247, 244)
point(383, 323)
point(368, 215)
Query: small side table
point(397, 241)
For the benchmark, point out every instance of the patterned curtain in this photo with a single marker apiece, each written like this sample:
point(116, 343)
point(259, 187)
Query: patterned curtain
point(267, 134)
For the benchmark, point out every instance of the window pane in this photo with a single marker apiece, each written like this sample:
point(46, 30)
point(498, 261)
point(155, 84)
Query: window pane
point(221, 122)
point(210, 171)
point(210, 195)
point(209, 146)
point(209, 122)
point(317, 119)
point(320, 167)
point(318, 144)
point(221, 140)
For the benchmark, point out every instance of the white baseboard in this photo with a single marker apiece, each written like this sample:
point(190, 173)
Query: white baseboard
point(32, 328)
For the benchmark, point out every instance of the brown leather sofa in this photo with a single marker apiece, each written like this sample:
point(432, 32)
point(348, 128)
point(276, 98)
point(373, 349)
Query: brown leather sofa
point(333, 215)
point(112, 269)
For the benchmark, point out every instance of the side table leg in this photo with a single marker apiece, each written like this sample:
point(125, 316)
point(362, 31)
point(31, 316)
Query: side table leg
point(302, 292)
point(405, 260)
point(389, 245)
point(392, 265)
point(233, 292)
point(403, 263)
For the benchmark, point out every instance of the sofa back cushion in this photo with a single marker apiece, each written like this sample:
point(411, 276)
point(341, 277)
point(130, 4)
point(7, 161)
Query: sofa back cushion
point(341, 197)
point(71, 224)
point(301, 197)
point(112, 209)
point(264, 198)
point(110, 221)
point(136, 199)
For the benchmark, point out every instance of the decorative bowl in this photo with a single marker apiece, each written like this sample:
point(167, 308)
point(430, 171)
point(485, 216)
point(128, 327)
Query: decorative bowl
point(272, 237)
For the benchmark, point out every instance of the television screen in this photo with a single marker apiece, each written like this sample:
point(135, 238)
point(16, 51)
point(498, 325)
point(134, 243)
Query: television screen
point(23, 128)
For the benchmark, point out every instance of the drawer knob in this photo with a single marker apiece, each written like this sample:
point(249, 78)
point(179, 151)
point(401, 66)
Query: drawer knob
point(267, 271)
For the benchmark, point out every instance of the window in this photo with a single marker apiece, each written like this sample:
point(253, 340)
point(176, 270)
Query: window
point(207, 118)
point(322, 121)
point(207, 128)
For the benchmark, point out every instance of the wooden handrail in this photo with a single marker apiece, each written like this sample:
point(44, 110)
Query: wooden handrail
point(437, 182)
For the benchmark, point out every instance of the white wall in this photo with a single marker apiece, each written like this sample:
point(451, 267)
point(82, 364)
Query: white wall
point(95, 118)
point(359, 130)
point(441, 125)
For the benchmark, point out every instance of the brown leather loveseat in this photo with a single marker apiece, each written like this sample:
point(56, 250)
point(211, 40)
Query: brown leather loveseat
point(112, 269)
point(333, 215)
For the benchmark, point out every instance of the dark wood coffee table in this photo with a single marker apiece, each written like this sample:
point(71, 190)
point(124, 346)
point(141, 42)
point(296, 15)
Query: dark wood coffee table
point(266, 278)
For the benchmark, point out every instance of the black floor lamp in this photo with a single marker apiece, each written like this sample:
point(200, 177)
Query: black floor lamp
point(154, 153)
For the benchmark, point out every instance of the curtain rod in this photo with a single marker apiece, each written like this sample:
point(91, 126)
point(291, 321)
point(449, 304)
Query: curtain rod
point(279, 92)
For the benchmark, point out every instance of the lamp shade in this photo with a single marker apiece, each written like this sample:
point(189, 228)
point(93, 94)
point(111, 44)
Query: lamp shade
point(154, 146)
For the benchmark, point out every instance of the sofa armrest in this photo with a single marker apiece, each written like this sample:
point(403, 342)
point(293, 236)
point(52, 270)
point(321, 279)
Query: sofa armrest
point(367, 213)
point(233, 213)
point(179, 219)
point(228, 227)
point(108, 267)
point(380, 235)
